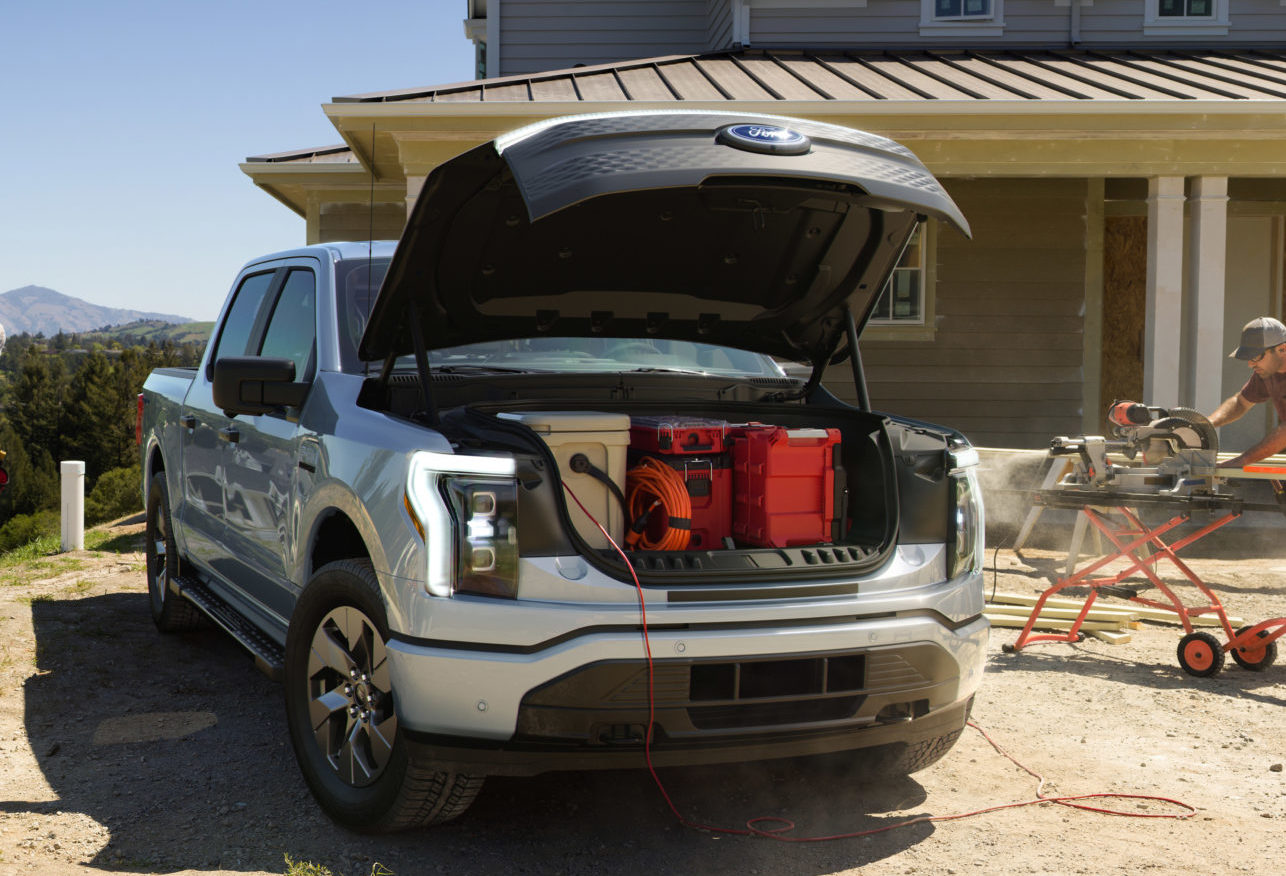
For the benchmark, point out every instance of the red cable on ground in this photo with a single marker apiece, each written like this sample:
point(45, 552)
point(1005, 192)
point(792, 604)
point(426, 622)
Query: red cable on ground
point(783, 825)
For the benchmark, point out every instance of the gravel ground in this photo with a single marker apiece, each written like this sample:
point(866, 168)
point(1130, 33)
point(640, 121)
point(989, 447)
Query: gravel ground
point(128, 751)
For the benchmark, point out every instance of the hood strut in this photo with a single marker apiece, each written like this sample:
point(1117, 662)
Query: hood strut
point(422, 362)
point(855, 359)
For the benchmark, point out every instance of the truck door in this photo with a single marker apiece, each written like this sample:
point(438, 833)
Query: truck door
point(205, 430)
point(263, 459)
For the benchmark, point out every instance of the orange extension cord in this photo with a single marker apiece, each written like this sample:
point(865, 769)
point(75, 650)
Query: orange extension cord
point(777, 828)
point(651, 485)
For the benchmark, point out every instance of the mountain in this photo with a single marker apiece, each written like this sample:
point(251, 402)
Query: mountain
point(35, 309)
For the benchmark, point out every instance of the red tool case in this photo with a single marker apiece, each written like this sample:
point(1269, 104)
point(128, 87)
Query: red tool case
point(783, 485)
point(696, 449)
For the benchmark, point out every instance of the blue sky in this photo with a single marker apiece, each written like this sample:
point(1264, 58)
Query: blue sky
point(124, 122)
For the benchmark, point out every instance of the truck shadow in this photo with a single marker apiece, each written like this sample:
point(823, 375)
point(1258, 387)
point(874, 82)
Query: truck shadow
point(178, 747)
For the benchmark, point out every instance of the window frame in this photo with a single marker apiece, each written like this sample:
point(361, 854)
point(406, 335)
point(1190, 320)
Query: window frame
point(992, 25)
point(923, 329)
point(1215, 24)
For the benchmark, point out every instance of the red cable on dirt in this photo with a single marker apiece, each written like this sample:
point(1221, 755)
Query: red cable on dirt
point(783, 825)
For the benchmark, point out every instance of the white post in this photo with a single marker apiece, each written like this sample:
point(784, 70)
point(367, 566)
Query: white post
point(73, 521)
point(1207, 257)
point(1162, 332)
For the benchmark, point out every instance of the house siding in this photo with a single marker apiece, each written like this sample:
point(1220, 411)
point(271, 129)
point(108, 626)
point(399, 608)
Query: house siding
point(1027, 23)
point(536, 35)
point(1256, 22)
point(1005, 365)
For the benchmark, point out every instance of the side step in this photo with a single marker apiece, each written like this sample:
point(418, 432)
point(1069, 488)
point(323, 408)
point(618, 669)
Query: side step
point(270, 658)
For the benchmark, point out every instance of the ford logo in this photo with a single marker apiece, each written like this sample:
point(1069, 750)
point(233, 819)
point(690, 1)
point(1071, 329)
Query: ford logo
point(772, 139)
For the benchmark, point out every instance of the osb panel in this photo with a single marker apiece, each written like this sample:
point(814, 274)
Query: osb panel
point(1125, 269)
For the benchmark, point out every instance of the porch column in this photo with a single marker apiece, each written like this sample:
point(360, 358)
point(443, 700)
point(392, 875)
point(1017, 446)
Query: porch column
point(1207, 258)
point(1162, 330)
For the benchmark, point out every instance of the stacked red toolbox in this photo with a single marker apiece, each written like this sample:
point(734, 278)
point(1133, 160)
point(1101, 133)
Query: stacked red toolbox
point(696, 448)
point(783, 483)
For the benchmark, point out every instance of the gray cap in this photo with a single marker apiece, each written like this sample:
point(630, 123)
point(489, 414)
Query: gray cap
point(1258, 335)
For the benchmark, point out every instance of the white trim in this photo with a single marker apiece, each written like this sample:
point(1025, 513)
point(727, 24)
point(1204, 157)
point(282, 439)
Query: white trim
point(1163, 327)
point(740, 22)
point(828, 109)
point(1207, 264)
point(1189, 25)
point(493, 39)
point(992, 25)
point(475, 29)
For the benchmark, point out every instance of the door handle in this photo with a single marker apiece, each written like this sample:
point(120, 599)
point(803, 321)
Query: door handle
point(188, 421)
point(231, 434)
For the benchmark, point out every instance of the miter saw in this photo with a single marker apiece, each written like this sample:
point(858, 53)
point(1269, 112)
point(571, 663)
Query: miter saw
point(1151, 451)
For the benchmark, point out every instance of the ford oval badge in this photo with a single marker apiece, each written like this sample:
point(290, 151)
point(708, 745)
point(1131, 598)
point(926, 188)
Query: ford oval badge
point(771, 139)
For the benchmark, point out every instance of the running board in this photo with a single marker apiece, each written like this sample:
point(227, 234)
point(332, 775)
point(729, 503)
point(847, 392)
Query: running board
point(270, 658)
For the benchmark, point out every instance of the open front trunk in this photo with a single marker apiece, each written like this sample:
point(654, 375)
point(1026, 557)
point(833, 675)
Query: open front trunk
point(829, 508)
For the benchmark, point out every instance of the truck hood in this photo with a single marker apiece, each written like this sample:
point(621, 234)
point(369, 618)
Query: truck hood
point(729, 228)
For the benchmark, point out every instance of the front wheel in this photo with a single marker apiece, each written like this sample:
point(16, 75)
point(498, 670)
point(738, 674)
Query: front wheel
point(1255, 657)
point(340, 709)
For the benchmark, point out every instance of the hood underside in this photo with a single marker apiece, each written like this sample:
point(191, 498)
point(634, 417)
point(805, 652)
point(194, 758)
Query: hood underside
point(747, 231)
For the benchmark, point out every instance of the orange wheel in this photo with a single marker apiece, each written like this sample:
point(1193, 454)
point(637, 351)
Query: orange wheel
point(1200, 654)
point(1255, 657)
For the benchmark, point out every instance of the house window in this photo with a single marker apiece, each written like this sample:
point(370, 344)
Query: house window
point(964, 18)
point(1186, 8)
point(962, 9)
point(1185, 18)
point(903, 300)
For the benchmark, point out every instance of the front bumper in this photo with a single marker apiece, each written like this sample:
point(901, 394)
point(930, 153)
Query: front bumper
point(721, 692)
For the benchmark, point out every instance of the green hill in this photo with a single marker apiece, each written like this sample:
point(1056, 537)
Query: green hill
point(151, 330)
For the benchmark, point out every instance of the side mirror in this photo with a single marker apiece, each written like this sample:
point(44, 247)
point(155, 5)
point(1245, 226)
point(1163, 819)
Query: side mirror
point(256, 385)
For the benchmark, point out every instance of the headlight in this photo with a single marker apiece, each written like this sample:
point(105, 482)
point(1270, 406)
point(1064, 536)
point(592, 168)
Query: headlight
point(466, 510)
point(485, 513)
point(967, 521)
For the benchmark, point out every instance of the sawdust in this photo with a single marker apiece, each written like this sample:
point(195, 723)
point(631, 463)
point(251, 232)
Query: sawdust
point(126, 751)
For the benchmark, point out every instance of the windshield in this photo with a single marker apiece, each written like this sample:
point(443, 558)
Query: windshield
point(587, 355)
point(358, 283)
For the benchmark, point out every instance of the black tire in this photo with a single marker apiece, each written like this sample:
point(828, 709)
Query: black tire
point(904, 758)
point(1256, 659)
point(373, 785)
point(1200, 654)
point(170, 612)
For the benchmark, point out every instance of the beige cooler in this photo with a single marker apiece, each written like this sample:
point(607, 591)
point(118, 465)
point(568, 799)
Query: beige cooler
point(603, 438)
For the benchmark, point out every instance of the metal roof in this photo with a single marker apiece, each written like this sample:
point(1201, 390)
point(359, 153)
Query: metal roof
point(906, 75)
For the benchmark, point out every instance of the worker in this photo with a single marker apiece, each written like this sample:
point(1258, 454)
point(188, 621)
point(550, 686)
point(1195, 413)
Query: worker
point(1263, 348)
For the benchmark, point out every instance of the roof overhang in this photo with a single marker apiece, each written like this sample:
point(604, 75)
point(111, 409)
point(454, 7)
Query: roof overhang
point(968, 113)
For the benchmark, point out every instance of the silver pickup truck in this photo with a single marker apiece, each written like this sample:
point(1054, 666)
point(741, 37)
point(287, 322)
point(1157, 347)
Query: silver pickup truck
point(431, 486)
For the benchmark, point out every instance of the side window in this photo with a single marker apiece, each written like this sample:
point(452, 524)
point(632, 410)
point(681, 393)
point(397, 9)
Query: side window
point(292, 327)
point(239, 325)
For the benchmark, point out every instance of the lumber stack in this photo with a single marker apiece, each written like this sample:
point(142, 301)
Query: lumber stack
point(1110, 623)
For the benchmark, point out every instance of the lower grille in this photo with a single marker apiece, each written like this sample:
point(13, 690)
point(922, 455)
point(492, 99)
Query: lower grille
point(773, 714)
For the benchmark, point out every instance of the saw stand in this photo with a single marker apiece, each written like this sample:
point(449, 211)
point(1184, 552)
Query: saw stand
point(1143, 548)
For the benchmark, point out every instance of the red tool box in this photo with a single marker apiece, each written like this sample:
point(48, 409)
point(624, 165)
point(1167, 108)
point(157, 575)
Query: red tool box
point(695, 449)
point(783, 484)
point(688, 435)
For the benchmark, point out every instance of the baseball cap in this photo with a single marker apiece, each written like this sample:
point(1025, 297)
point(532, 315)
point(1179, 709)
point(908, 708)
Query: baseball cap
point(1258, 335)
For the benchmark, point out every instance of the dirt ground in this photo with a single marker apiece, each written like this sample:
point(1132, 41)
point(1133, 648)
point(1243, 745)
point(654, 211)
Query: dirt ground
point(123, 750)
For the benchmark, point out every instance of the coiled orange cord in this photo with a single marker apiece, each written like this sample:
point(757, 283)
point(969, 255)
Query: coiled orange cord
point(653, 485)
